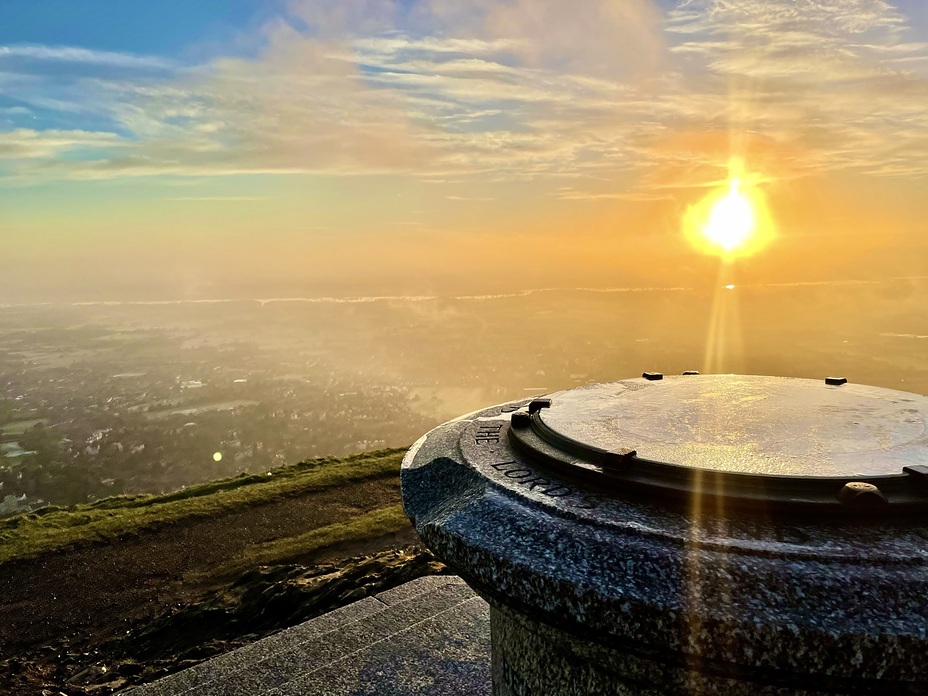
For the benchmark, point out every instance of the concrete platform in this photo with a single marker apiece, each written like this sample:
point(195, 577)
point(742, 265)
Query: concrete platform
point(429, 637)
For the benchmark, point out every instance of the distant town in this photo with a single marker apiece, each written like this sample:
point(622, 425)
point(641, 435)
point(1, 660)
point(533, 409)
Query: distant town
point(93, 411)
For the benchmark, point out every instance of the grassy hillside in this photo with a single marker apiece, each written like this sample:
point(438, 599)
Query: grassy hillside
point(53, 528)
point(119, 592)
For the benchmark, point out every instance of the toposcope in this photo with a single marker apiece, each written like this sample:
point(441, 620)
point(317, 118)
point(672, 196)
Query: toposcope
point(690, 534)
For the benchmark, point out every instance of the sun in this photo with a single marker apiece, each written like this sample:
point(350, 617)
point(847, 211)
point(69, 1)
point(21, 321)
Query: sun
point(732, 220)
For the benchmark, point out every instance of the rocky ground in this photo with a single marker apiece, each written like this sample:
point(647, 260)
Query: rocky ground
point(101, 619)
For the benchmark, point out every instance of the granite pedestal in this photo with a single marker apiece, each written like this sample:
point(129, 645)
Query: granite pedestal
point(712, 535)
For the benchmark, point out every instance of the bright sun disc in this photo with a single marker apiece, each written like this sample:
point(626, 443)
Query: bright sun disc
point(732, 221)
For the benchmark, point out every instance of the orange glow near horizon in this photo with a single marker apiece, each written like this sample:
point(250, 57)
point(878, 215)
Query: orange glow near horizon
point(731, 221)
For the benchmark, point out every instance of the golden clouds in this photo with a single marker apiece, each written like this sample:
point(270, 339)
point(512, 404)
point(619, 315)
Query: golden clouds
point(609, 100)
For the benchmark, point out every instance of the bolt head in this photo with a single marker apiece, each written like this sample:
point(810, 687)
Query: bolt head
point(835, 381)
point(859, 493)
point(652, 376)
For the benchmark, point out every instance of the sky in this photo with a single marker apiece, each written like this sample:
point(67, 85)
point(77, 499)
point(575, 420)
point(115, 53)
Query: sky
point(286, 147)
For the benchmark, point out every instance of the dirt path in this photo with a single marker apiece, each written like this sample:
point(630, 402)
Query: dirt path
point(92, 594)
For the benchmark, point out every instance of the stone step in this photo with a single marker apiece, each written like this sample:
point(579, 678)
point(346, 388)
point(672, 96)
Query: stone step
point(448, 654)
point(431, 633)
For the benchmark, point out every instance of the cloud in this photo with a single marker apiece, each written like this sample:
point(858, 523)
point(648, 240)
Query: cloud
point(32, 144)
point(638, 196)
point(73, 54)
point(16, 111)
point(508, 90)
point(617, 40)
point(328, 19)
point(222, 199)
point(823, 78)
point(300, 107)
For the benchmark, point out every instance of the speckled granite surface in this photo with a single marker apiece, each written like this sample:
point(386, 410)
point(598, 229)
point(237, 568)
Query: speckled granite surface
point(429, 637)
point(798, 608)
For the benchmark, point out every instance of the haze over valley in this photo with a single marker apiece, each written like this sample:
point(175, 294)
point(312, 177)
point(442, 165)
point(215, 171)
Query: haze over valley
point(103, 399)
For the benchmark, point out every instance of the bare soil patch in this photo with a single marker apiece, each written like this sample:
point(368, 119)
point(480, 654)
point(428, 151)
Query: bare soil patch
point(87, 596)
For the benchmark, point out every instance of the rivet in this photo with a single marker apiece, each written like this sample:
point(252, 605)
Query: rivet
point(652, 376)
point(861, 493)
point(835, 381)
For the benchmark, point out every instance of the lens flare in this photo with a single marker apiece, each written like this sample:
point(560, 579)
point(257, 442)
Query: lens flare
point(731, 221)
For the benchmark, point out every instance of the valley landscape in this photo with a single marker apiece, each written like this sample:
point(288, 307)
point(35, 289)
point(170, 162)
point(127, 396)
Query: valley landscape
point(252, 251)
point(109, 399)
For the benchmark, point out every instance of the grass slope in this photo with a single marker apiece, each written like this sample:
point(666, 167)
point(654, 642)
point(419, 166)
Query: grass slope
point(370, 525)
point(53, 528)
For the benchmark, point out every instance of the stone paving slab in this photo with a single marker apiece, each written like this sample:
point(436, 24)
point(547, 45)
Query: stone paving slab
point(255, 652)
point(429, 636)
point(447, 655)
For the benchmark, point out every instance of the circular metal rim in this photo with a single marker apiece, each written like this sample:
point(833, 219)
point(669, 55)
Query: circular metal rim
point(624, 473)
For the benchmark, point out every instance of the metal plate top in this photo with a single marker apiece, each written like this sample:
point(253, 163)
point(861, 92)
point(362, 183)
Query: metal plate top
point(749, 424)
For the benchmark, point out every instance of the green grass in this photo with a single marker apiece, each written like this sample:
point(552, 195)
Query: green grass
point(370, 525)
point(54, 528)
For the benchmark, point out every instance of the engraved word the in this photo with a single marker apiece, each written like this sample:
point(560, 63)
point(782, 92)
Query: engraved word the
point(488, 433)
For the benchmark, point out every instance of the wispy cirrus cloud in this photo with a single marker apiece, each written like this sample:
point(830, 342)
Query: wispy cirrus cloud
point(220, 199)
point(32, 144)
point(822, 78)
point(74, 54)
